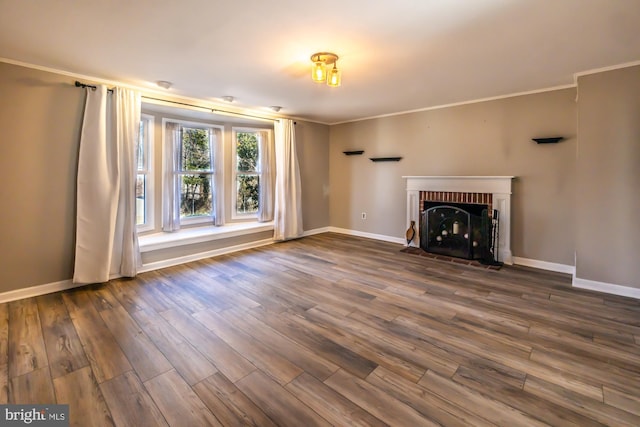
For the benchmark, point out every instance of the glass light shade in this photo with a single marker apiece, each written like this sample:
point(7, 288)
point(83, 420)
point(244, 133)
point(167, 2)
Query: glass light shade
point(319, 72)
point(334, 79)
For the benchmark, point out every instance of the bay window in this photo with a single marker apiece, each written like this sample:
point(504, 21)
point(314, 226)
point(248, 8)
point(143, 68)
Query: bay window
point(202, 174)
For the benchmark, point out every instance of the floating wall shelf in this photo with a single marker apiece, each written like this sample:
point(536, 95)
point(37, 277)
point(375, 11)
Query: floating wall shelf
point(353, 152)
point(385, 159)
point(551, 140)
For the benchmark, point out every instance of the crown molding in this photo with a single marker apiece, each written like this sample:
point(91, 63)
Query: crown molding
point(604, 70)
point(458, 104)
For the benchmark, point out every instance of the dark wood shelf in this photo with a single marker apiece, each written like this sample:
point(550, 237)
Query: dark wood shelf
point(385, 159)
point(353, 152)
point(551, 140)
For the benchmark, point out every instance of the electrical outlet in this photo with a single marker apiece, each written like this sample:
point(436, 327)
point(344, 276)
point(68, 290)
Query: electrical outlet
point(364, 215)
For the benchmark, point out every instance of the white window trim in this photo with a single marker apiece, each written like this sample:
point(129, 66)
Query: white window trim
point(149, 224)
point(167, 151)
point(234, 173)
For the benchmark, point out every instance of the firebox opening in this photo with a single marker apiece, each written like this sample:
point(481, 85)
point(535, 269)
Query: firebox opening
point(463, 230)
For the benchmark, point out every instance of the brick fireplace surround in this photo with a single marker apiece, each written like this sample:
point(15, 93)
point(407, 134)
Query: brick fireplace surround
point(494, 191)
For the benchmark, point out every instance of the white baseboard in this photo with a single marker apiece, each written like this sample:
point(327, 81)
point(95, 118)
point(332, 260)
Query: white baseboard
point(34, 291)
point(544, 265)
point(201, 255)
point(63, 285)
point(506, 257)
point(316, 231)
point(608, 288)
point(368, 235)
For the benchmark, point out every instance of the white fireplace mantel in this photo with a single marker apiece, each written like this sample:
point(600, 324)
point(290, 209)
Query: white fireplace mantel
point(498, 186)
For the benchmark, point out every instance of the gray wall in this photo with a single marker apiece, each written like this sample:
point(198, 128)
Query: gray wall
point(312, 144)
point(40, 118)
point(487, 138)
point(608, 172)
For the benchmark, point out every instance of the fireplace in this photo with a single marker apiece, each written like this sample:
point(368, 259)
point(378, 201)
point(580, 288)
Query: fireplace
point(446, 199)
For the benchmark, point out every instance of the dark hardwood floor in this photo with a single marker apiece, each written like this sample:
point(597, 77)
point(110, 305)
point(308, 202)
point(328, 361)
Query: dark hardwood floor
point(327, 330)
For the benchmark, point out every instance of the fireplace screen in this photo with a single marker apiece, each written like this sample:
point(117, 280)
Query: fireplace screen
point(456, 229)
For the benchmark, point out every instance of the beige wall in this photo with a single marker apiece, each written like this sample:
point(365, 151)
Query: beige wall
point(40, 116)
point(608, 172)
point(312, 145)
point(487, 138)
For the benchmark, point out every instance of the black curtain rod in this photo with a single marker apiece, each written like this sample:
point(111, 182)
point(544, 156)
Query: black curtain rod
point(78, 84)
point(212, 110)
point(92, 87)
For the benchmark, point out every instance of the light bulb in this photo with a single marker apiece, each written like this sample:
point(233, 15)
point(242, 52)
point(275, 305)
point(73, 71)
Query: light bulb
point(333, 79)
point(319, 72)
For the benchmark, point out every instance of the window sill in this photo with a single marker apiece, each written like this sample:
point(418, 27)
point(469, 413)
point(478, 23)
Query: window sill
point(189, 236)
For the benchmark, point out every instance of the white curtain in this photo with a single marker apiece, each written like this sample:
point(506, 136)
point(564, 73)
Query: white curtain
point(218, 181)
point(106, 238)
point(288, 205)
point(267, 166)
point(170, 185)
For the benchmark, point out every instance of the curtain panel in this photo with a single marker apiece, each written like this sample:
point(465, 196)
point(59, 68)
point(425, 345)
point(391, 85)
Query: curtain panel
point(106, 238)
point(170, 185)
point(267, 165)
point(218, 177)
point(288, 204)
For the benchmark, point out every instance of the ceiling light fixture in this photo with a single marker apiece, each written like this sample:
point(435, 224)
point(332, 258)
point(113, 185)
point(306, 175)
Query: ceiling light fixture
point(164, 84)
point(275, 108)
point(228, 98)
point(319, 72)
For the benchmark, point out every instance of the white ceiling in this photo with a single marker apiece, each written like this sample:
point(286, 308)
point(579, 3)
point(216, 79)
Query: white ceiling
point(395, 55)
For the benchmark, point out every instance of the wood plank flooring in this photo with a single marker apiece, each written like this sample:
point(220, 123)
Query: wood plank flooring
point(327, 330)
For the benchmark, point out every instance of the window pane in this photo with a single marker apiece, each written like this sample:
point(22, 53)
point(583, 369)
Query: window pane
point(141, 193)
point(143, 144)
point(247, 196)
point(247, 151)
point(195, 152)
point(196, 195)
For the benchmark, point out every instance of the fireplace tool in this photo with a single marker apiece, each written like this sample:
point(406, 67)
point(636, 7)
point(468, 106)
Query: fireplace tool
point(495, 243)
point(492, 239)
